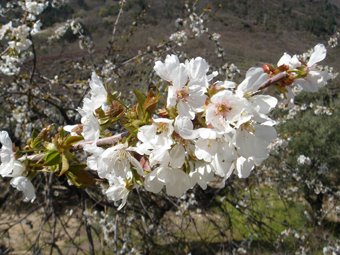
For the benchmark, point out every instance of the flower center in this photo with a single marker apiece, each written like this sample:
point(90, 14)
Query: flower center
point(161, 128)
point(223, 109)
point(182, 94)
point(248, 126)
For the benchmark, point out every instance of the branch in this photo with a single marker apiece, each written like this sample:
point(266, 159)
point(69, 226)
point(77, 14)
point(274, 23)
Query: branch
point(121, 3)
point(273, 80)
point(103, 141)
point(100, 142)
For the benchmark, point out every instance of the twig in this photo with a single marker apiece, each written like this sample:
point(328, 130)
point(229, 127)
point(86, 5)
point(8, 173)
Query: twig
point(34, 59)
point(87, 226)
point(273, 80)
point(122, 3)
point(103, 141)
point(100, 142)
point(69, 236)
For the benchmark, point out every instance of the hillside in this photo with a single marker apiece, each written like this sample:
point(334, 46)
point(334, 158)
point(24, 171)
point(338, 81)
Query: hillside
point(251, 31)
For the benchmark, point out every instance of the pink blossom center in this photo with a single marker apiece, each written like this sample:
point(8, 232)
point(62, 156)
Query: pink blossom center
point(223, 109)
point(182, 94)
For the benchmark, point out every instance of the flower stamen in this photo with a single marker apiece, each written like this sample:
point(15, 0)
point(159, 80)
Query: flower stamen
point(223, 109)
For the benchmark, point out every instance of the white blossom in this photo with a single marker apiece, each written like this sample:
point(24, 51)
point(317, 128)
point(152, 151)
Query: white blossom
point(155, 136)
point(10, 167)
point(303, 160)
point(188, 83)
point(23, 184)
point(176, 181)
point(252, 141)
point(185, 128)
point(255, 77)
point(166, 70)
point(202, 174)
point(96, 98)
point(117, 190)
point(118, 161)
point(225, 110)
point(34, 7)
point(315, 78)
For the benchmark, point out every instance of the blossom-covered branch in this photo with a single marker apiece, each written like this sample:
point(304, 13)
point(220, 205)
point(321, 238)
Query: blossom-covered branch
point(203, 129)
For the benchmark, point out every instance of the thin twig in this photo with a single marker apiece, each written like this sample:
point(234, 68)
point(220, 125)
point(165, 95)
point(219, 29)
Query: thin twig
point(100, 142)
point(273, 80)
point(103, 141)
point(122, 3)
point(87, 226)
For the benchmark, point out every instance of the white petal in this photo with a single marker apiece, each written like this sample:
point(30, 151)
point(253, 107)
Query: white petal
point(255, 144)
point(222, 167)
point(255, 77)
point(164, 70)
point(244, 167)
point(197, 68)
point(263, 103)
point(197, 99)
point(295, 62)
point(318, 55)
point(177, 156)
point(228, 84)
point(202, 175)
point(284, 60)
point(184, 127)
point(179, 184)
point(18, 169)
point(23, 184)
point(172, 97)
point(152, 183)
point(137, 165)
point(185, 110)
point(91, 127)
point(205, 149)
point(179, 77)
point(146, 133)
point(98, 92)
point(6, 152)
point(118, 191)
point(160, 156)
point(207, 133)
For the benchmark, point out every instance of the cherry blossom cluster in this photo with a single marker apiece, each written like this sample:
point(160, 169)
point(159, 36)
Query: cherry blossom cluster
point(16, 34)
point(77, 29)
point(203, 130)
point(190, 27)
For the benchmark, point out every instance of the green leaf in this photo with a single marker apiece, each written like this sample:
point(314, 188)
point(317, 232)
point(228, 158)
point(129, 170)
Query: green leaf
point(140, 96)
point(137, 123)
point(79, 177)
point(34, 134)
point(73, 139)
point(52, 157)
point(64, 165)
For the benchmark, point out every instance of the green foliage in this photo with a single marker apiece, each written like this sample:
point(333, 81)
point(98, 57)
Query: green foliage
point(141, 113)
point(52, 15)
point(315, 136)
point(52, 157)
point(79, 177)
point(106, 11)
point(264, 217)
point(319, 25)
point(278, 15)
